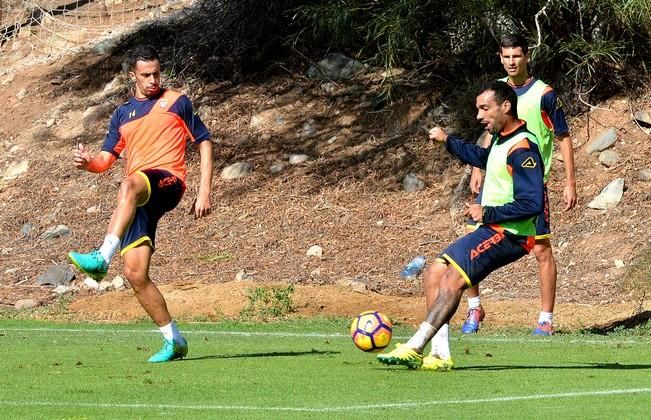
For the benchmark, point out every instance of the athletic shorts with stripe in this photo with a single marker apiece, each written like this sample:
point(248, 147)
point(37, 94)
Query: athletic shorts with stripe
point(165, 191)
point(484, 250)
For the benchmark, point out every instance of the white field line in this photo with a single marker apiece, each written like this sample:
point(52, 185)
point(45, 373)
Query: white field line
point(360, 408)
point(531, 340)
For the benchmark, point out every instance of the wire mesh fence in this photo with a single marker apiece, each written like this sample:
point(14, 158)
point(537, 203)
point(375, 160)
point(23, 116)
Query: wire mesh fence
point(38, 31)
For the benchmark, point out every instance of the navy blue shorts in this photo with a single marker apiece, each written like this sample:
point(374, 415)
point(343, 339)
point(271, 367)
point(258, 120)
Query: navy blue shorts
point(484, 250)
point(164, 194)
point(542, 222)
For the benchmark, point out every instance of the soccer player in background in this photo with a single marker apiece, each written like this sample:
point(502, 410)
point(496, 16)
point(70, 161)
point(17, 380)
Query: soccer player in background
point(152, 129)
point(539, 106)
point(511, 199)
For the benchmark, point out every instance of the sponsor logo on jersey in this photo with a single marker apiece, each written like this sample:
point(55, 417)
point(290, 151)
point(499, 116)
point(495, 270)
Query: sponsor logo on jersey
point(529, 163)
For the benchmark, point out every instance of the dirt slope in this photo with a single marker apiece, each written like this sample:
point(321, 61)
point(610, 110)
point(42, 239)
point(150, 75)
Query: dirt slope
point(347, 199)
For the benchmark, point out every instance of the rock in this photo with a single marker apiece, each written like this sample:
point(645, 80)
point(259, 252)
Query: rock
point(236, 170)
point(315, 251)
point(332, 139)
point(606, 139)
point(118, 283)
point(62, 289)
point(92, 209)
point(609, 196)
point(26, 304)
point(329, 87)
point(609, 158)
point(56, 275)
point(411, 183)
point(619, 264)
point(643, 118)
point(358, 285)
point(645, 175)
point(56, 231)
point(335, 66)
point(104, 285)
point(276, 168)
point(243, 275)
point(91, 284)
point(308, 130)
point(26, 230)
point(297, 159)
point(15, 169)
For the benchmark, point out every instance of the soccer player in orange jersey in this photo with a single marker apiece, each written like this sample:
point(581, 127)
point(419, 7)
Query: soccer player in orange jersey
point(151, 131)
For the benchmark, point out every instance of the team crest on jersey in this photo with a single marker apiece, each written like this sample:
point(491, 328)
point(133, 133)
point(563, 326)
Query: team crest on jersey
point(163, 103)
point(529, 163)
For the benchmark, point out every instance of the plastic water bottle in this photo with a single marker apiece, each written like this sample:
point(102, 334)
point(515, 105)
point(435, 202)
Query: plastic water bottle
point(414, 267)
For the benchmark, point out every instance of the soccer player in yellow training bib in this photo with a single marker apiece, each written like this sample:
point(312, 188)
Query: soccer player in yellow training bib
point(513, 196)
point(539, 106)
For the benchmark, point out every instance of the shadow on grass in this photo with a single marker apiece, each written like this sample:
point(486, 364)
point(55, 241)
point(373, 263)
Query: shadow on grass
point(613, 366)
point(268, 354)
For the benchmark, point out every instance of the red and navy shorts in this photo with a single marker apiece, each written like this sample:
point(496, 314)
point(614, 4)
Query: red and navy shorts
point(165, 191)
point(484, 250)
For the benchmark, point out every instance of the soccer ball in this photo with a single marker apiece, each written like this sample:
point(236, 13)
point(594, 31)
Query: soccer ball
point(371, 331)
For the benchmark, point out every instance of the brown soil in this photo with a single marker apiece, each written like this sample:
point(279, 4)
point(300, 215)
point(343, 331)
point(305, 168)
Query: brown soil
point(347, 199)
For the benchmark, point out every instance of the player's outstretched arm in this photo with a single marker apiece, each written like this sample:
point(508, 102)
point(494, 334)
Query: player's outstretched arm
point(82, 159)
point(466, 152)
point(202, 205)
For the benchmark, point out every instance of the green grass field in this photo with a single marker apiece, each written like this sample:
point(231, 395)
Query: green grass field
point(310, 369)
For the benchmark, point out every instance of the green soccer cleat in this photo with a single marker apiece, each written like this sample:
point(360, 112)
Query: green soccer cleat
point(402, 355)
point(437, 364)
point(92, 264)
point(171, 350)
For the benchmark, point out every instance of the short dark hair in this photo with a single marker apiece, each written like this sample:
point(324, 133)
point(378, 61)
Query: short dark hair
point(503, 92)
point(142, 53)
point(514, 41)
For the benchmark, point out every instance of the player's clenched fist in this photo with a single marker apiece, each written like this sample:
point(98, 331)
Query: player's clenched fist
point(80, 156)
point(438, 134)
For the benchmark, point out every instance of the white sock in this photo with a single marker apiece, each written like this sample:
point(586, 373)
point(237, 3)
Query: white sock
point(441, 343)
point(108, 248)
point(474, 302)
point(170, 331)
point(419, 340)
point(546, 317)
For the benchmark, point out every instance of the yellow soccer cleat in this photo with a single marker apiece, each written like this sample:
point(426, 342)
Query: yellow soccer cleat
point(437, 364)
point(402, 355)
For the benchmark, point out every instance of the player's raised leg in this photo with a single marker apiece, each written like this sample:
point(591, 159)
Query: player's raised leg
point(133, 191)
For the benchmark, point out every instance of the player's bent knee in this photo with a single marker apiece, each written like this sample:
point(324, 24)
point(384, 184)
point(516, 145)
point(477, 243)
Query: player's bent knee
point(433, 274)
point(543, 252)
point(452, 280)
point(136, 278)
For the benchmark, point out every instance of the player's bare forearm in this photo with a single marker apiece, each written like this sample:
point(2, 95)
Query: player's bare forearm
point(98, 163)
point(569, 192)
point(202, 206)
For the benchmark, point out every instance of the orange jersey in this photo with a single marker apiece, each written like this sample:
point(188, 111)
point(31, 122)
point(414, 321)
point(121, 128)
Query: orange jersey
point(153, 132)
